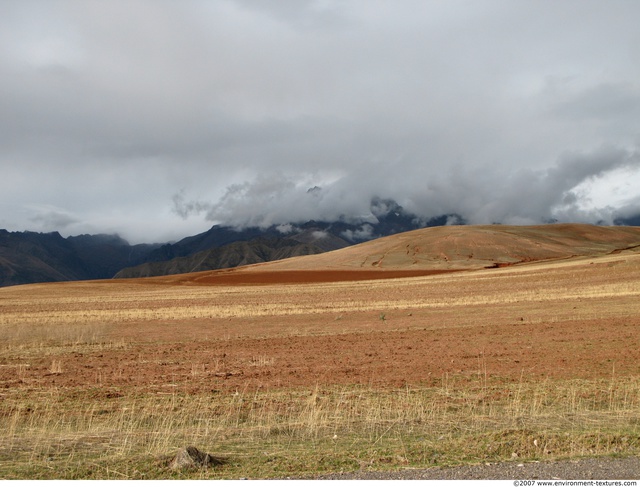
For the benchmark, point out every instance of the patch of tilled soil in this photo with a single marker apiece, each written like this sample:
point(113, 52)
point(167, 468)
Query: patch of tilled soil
point(240, 276)
point(583, 469)
point(392, 358)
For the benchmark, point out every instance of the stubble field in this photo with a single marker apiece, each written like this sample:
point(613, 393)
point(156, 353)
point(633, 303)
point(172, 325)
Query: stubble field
point(302, 373)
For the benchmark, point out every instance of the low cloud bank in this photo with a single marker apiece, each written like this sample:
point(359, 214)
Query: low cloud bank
point(562, 192)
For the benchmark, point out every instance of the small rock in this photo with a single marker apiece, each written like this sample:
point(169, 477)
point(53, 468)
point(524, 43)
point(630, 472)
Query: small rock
point(191, 457)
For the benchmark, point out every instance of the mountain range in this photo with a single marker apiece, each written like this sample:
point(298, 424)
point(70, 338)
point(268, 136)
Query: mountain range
point(29, 257)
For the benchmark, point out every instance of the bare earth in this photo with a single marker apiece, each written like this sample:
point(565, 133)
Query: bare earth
point(583, 323)
point(269, 327)
point(381, 356)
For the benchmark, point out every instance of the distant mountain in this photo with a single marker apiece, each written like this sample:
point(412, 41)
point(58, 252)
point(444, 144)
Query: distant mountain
point(37, 257)
point(387, 218)
point(27, 257)
point(222, 247)
point(260, 249)
point(633, 221)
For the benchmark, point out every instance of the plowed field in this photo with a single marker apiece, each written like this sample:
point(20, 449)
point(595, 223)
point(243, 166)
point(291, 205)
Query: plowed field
point(216, 331)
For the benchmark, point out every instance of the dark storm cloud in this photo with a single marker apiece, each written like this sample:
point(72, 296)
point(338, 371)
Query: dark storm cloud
point(156, 119)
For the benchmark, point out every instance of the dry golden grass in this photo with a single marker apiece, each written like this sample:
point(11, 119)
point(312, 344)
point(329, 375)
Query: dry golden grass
point(84, 310)
point(52, 434)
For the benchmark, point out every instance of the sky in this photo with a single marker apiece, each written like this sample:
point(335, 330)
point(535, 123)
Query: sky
point(156, 119)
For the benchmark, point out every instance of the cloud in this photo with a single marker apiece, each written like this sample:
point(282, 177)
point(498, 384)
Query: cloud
point(158, 118)
point(319, 234)
point(185, 209)
point(286, 228)
point(524, 195)
point(603, 102)
point(274, 198)
point(49, 218)
point(365, 232)
point(479, 195)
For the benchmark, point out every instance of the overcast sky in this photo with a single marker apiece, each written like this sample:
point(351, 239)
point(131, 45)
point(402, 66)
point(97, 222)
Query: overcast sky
point(157, 119)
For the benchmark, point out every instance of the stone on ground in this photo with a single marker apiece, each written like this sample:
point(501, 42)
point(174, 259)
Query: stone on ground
point(191, 457)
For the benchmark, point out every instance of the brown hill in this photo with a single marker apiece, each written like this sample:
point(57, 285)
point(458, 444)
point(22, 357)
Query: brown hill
point(435, 250)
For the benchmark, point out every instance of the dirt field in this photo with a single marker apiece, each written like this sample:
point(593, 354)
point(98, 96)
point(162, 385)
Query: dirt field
point(575, 319)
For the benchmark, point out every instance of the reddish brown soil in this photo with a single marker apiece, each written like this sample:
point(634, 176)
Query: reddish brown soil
point(576, 318)
point(379, 357)
point(232, 277)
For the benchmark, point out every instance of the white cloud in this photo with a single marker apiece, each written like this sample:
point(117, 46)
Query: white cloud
point(319, 234)
point(285, 228)
point(365, 232)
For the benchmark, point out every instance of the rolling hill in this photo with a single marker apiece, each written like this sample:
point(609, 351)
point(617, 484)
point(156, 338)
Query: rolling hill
point(434, 250)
